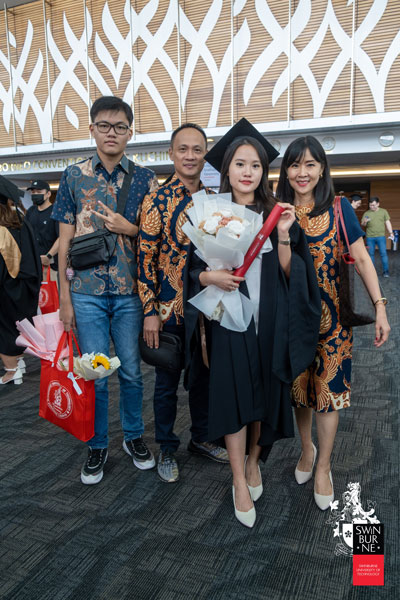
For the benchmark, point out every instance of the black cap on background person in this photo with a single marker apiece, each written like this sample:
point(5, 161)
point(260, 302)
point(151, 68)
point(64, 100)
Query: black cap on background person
point(39, 184)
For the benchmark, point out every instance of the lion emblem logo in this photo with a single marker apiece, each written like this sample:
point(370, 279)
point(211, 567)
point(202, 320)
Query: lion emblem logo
point(352, 512)
point(43, 297)
point(59, 400)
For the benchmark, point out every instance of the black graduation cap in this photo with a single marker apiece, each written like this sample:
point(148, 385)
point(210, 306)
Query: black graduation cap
point(9, 190)
point(243, 128)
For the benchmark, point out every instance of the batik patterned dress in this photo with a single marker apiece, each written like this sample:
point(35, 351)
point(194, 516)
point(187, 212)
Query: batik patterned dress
point(325, 385)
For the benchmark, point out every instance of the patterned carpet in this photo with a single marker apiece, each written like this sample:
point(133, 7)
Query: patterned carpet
point(134, 537)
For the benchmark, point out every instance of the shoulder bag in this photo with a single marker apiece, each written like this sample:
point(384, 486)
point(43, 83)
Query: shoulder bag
point(169, 355)
point(355, 304)
point(97, 248)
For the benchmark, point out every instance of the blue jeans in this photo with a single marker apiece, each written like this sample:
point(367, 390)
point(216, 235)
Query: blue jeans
point(381, 243)
point(98, 317)
point(165, 401)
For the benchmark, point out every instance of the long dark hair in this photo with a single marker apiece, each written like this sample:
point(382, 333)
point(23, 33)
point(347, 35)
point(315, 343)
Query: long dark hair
point(324, 191)
point(263, 196)
point(8, 215)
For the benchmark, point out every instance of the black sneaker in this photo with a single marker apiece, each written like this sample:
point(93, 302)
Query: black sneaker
point(142, 457)
point(92, 470)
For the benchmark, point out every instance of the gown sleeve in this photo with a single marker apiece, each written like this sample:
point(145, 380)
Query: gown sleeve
point(298, 312)
point(191, 287)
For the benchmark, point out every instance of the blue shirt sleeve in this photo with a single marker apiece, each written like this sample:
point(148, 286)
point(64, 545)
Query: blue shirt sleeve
point(64, 208)
point(353, 227)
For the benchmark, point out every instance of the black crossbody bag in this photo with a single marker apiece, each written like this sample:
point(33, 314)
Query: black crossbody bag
point(97, 248)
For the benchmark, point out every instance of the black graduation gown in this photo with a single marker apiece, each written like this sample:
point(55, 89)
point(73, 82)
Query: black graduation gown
point(19, 297)
point(250, 374)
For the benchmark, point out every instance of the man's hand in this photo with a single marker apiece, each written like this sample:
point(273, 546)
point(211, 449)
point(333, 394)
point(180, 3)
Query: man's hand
point(151, 327)
point(67, 315)
point(116, 222)
point(45, 260)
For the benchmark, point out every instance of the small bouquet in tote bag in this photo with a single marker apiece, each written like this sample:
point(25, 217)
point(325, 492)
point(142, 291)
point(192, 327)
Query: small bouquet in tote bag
point(67, 400)
point(48, 295)
point(355, 304)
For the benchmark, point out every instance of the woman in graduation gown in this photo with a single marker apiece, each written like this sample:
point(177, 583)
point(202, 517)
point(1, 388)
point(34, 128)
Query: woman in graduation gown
point(251, 372)
point(20, 278)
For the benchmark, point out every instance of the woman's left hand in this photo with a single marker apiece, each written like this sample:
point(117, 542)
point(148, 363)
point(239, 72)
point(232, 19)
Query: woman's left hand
point(382, 327)
point(287, 218)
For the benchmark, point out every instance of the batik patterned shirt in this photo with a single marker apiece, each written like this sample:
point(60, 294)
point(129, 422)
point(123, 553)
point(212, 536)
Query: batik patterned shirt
point(81, 187)
point(162, 251)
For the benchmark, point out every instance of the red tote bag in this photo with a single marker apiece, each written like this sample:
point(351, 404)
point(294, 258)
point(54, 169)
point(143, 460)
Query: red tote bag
point(48, 296)
point(67, 400)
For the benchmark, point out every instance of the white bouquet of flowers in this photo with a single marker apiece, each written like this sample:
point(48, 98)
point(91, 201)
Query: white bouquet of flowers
point(222, 232)
point(93, 365)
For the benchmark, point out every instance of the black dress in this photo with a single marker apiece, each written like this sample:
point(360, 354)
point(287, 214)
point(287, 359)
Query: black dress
point(250, 373)
point(19, 297)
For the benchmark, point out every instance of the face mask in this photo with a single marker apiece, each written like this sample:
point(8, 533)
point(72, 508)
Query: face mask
point(38, 199)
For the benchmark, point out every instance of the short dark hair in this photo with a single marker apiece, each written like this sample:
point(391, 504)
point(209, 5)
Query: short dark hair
point(187, 126)
point(113, 104)
point(263, 196)
point(373, 199)
point(324, 191)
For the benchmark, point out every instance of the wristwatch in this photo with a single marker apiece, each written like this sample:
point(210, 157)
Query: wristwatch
point(50, 257)
point(284, 242)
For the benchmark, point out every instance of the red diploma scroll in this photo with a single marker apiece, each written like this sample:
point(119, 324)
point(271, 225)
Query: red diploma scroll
point(259, 240)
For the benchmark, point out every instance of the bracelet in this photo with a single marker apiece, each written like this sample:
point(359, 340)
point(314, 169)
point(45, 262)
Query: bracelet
point(284, 243)
point(381, 300)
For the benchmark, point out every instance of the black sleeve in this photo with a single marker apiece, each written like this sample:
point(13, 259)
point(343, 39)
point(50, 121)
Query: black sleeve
point(191, 287)
point(298, 312)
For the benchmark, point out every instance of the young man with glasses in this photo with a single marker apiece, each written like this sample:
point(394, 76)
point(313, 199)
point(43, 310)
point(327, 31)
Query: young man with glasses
point(103, 300)
point(163, 251)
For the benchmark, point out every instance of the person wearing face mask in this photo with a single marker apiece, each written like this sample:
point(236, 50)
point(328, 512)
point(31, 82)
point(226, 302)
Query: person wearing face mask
point(45, 228)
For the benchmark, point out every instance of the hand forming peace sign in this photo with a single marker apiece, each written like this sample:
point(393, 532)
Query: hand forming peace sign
point(116, 222)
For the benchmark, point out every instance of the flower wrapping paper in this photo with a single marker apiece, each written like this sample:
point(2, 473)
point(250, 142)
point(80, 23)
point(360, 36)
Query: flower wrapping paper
point(84, 368)
point(41, 338)
point(222, 251)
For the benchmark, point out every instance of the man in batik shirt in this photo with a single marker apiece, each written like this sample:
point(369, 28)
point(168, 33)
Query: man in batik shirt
point(103, 300)
point(162, 260)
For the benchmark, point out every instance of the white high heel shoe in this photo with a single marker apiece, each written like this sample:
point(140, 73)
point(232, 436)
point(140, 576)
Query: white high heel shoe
point(304, 476)
point(16, 378)
point(21, 366)
point(322, 501)
point(257, 490)
point(247, 518)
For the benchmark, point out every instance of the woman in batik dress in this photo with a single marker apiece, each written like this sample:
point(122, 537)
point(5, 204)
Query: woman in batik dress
point(324, 388)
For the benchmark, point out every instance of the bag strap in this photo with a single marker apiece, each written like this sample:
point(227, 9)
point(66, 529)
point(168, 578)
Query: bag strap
point(76, 343)
point(340, 221)
point(47, 280)
point(123, 194)
point(67, 336)
point(60, 346)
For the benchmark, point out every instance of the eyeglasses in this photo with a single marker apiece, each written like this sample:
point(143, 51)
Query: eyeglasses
point(105, 126)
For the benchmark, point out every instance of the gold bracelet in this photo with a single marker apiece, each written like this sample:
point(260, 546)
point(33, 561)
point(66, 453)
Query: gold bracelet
point(382, 300)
